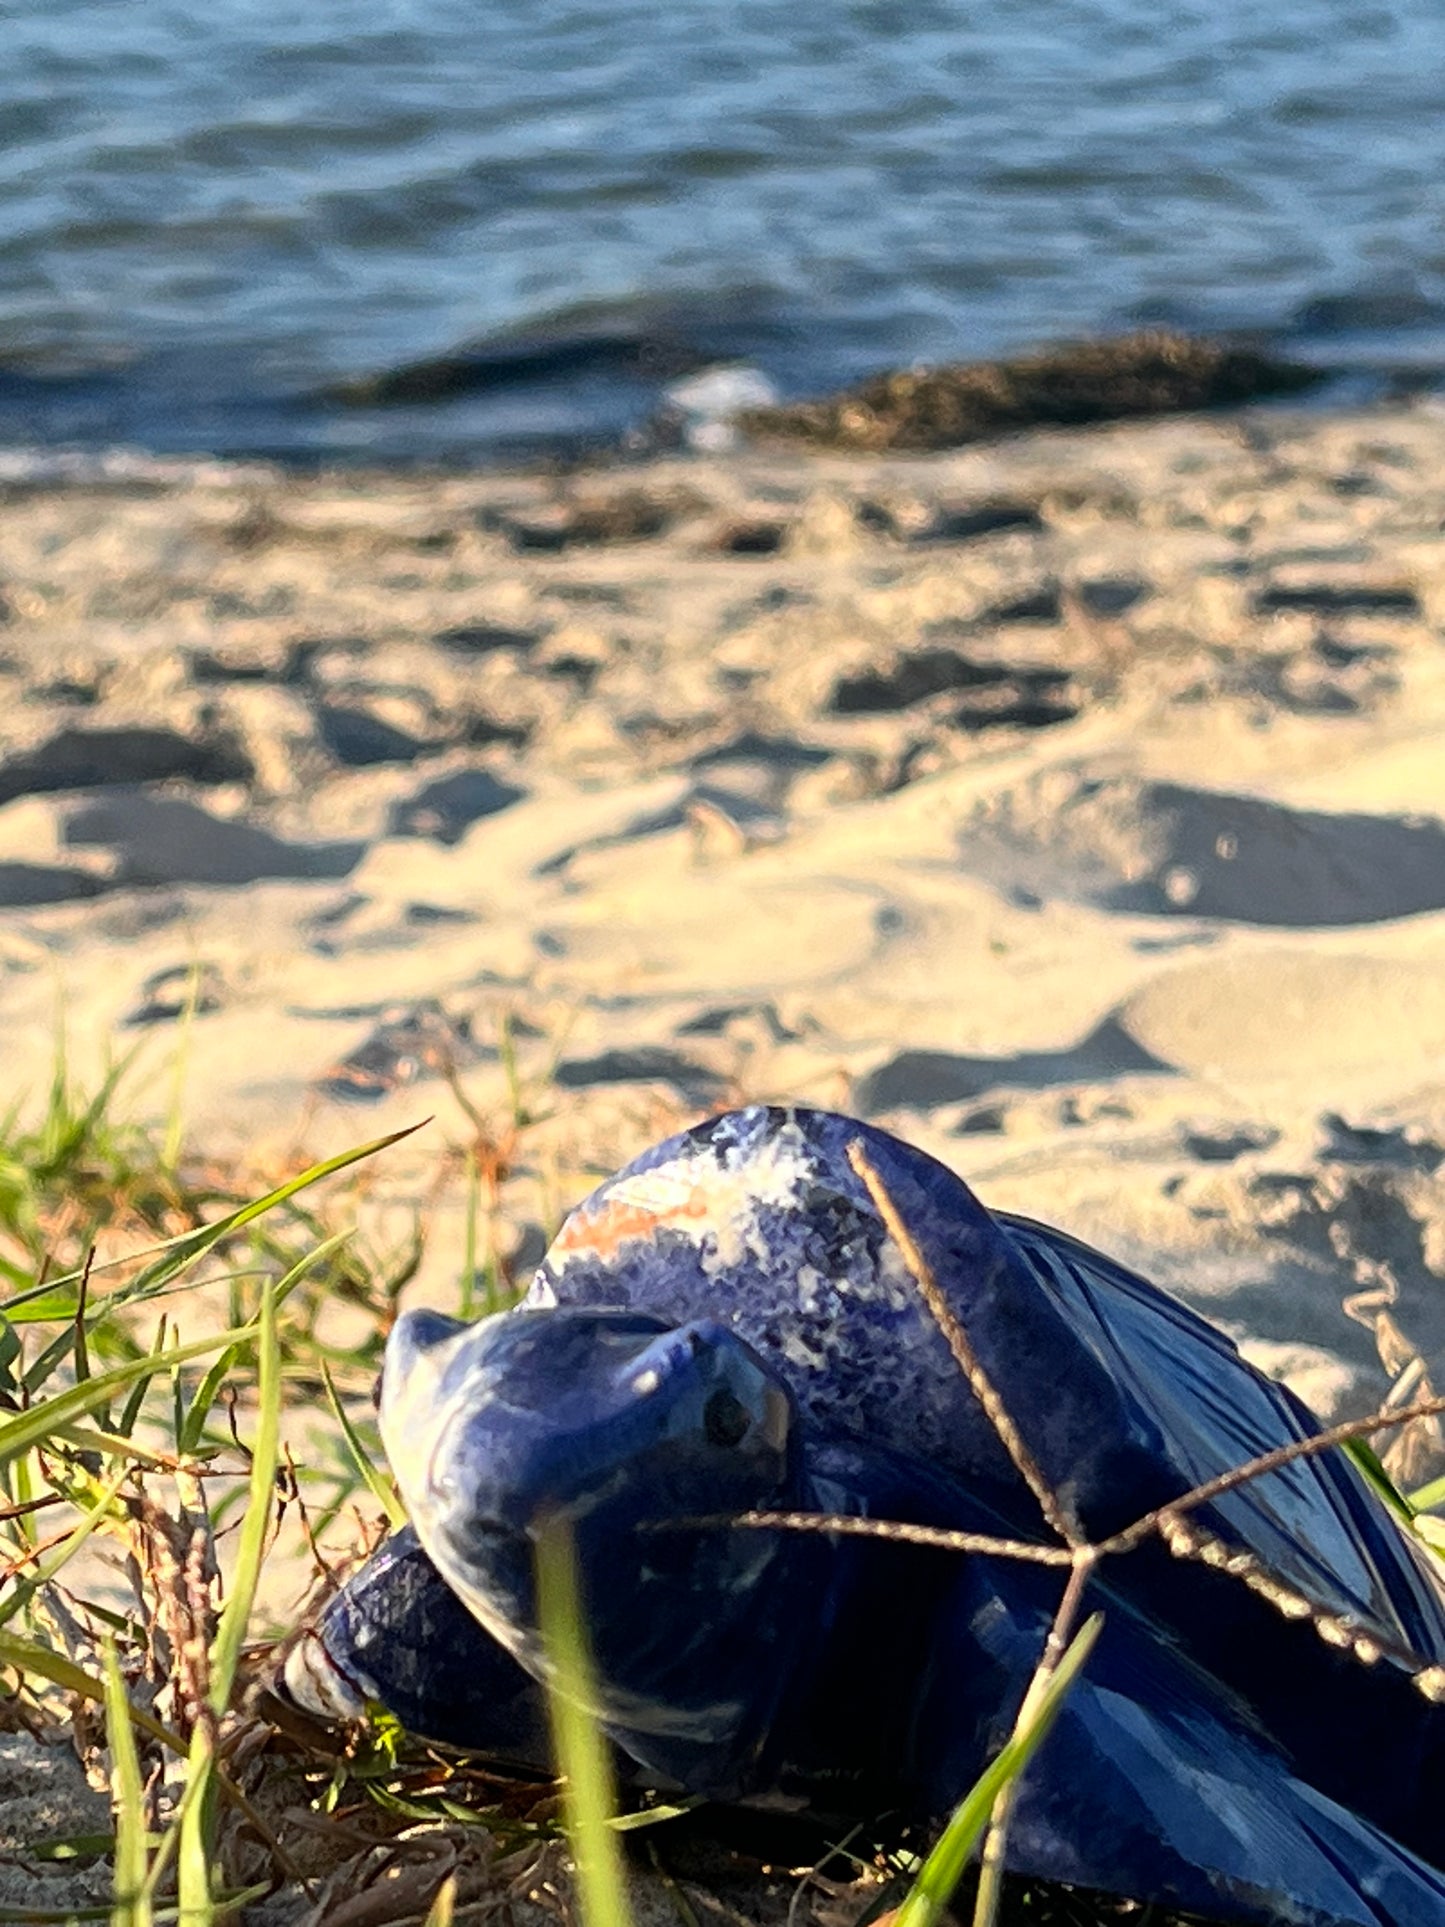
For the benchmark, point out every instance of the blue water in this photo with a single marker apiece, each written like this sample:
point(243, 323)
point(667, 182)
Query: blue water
point(211, 214)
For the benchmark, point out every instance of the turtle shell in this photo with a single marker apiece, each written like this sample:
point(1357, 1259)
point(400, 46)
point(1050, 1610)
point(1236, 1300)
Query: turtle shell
point(759, 1219)
point(1255, 1736)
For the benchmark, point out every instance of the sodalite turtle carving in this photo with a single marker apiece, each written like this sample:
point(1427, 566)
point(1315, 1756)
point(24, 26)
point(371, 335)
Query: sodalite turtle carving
point(727, 1326)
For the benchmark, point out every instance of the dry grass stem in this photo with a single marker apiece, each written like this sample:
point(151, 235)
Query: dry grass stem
point(1056, 1512)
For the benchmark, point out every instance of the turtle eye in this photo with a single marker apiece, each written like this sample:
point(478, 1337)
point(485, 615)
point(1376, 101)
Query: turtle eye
point(725, 1419)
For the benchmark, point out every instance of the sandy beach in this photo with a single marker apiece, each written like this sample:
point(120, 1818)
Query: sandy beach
point(1071, 805)
point(567, 570)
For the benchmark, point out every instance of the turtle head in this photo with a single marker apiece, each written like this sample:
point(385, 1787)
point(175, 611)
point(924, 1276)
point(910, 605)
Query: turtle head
point(642, 1439)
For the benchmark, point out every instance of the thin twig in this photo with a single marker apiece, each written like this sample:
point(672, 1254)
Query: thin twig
point(852, 1525)
point(1056, 1513)
point(1384, 1420)
point(327, 1571)
point(27, 1506)
point(1367, 1642)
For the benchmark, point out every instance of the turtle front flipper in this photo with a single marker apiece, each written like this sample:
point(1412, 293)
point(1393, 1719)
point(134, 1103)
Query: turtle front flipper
point(397, 1636)
point(1316, 1525)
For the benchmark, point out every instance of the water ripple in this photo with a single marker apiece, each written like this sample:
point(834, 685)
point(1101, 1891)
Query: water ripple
point(345, 186)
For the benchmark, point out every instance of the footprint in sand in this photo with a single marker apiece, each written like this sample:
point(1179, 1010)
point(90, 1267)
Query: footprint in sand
point(1164, 849)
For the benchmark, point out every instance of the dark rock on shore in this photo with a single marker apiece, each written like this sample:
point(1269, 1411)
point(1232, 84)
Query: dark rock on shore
point(469, 370)
point(930, 408)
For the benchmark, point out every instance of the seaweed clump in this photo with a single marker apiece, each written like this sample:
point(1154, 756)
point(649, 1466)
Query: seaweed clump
point(1154, 373)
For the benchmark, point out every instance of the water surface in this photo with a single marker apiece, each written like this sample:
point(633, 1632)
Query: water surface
point(210, 215)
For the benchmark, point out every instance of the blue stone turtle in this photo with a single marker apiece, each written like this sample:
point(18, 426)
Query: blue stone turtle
point(728, 1327)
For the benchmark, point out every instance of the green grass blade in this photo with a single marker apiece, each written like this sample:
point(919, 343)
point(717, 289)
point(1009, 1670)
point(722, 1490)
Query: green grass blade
point(376, 1485)
point(188, 1435)
point(51, 1916)
point(69, 1916)
point(467, 1308)
point(941, 1872)
point(23, 1431)
point(130, 1412)
point(265, 1457)
point(589, 1800)
point(9, 1357)
point(173, 1255)
point(1372, 1466)
point(50, 1360)
point(195, 1853)
point(196, 1905)
point(317, 1255)
point(90, 1438)
point(195, 1244)
point(72, 1846)
point(27, 1588)
point(654, 1816)
point(131, 1899)
point(26, 1656)
point(66, 1132)
point(444, 1905)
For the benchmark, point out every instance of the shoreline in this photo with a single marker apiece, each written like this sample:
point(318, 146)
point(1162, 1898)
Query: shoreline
point(630, 399)
point(1034, 799)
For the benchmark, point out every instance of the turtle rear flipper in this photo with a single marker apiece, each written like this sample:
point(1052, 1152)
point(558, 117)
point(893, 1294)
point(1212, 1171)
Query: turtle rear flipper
point(1193, 1814)
point(1157, 1782)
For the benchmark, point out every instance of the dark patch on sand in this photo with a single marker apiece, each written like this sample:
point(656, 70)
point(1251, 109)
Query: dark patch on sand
point(926, 1079)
